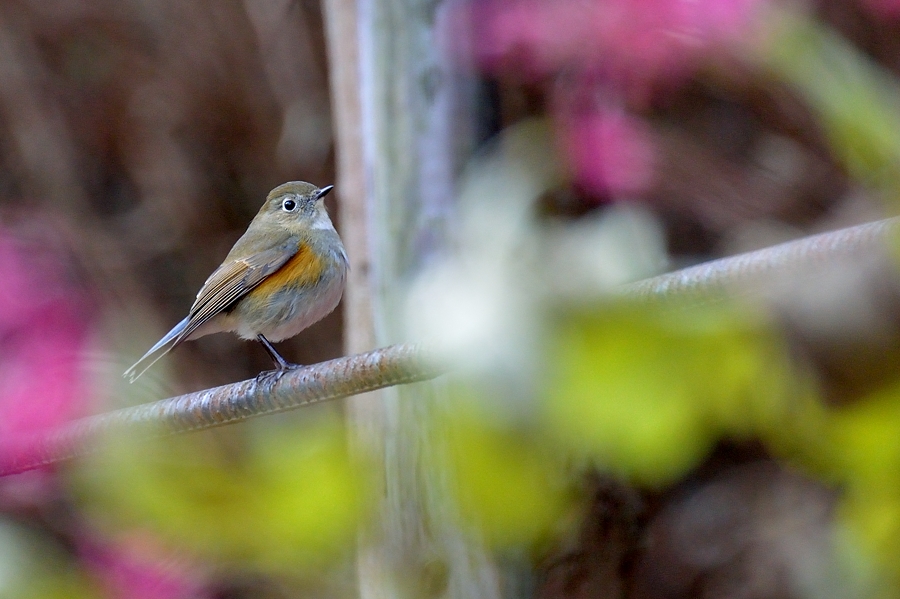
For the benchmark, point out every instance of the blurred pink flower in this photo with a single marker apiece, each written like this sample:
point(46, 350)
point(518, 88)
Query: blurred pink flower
point(610, 152)
point(621, 39)
point(139, 569)
point(44, 328)
point(887, 9)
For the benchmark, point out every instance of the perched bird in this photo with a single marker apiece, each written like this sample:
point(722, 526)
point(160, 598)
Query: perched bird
point(284, 274)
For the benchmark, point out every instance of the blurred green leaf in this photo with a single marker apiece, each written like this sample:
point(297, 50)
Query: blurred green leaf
point(867, 434)
point(857, 101)
point(508, 484)
point(647, 392)
point(873, 520)
point(867, 464)
point(283, 498)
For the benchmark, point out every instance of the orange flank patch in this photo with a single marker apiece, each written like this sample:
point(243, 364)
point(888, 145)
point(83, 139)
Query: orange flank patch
point(302, 270)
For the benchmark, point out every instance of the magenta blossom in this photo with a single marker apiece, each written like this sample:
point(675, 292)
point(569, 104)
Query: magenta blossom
point(137, 568)
point(886, 9)
point(44, 330)
point(621, 39)
point(610, 153)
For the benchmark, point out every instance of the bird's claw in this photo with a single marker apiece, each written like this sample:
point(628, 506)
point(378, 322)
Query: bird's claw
point(273, 376)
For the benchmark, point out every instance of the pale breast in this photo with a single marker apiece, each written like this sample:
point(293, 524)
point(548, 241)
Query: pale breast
point(292, 299)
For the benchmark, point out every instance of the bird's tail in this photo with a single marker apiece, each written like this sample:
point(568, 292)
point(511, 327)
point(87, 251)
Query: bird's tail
point(162, 347)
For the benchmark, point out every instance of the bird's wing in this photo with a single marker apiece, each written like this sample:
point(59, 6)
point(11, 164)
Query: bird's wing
point(233, 280)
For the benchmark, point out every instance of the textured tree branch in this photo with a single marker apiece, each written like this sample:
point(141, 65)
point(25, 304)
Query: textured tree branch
point(749, 272)
point(394, 365)
point(400, 364)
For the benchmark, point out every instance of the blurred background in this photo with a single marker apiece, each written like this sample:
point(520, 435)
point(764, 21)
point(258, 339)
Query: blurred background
point(520, 160)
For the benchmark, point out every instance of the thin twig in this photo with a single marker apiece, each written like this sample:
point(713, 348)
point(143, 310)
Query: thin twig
point(394, 365)
point(400, 364)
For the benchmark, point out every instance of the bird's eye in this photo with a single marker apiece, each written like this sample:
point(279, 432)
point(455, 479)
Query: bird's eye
point(289, 205)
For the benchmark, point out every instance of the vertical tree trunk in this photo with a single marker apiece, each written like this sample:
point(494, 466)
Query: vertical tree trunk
point(402, 120)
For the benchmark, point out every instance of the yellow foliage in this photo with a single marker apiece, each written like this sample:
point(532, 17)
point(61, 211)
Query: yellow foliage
point(274, 498)
point(506, 483)
point(647, 392)
point(867, 464)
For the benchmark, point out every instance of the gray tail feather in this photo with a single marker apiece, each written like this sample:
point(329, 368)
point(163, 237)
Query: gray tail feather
point(162, 347)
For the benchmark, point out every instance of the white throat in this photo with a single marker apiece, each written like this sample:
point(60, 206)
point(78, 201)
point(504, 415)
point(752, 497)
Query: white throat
point(322, 221)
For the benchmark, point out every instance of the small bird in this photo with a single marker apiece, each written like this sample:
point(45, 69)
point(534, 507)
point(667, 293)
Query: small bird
point(284, 274)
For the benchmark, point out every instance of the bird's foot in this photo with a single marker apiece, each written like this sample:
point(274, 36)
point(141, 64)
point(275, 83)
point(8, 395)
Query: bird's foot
point(273, 376)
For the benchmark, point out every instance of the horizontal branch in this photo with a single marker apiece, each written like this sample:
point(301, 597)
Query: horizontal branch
point(400, 364)
point(266, 394)
point(749, 272)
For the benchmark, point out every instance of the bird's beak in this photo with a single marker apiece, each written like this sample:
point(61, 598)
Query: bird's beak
point(324, 191)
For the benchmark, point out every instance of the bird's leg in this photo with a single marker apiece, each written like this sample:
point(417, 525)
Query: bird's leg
point(280, 363)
